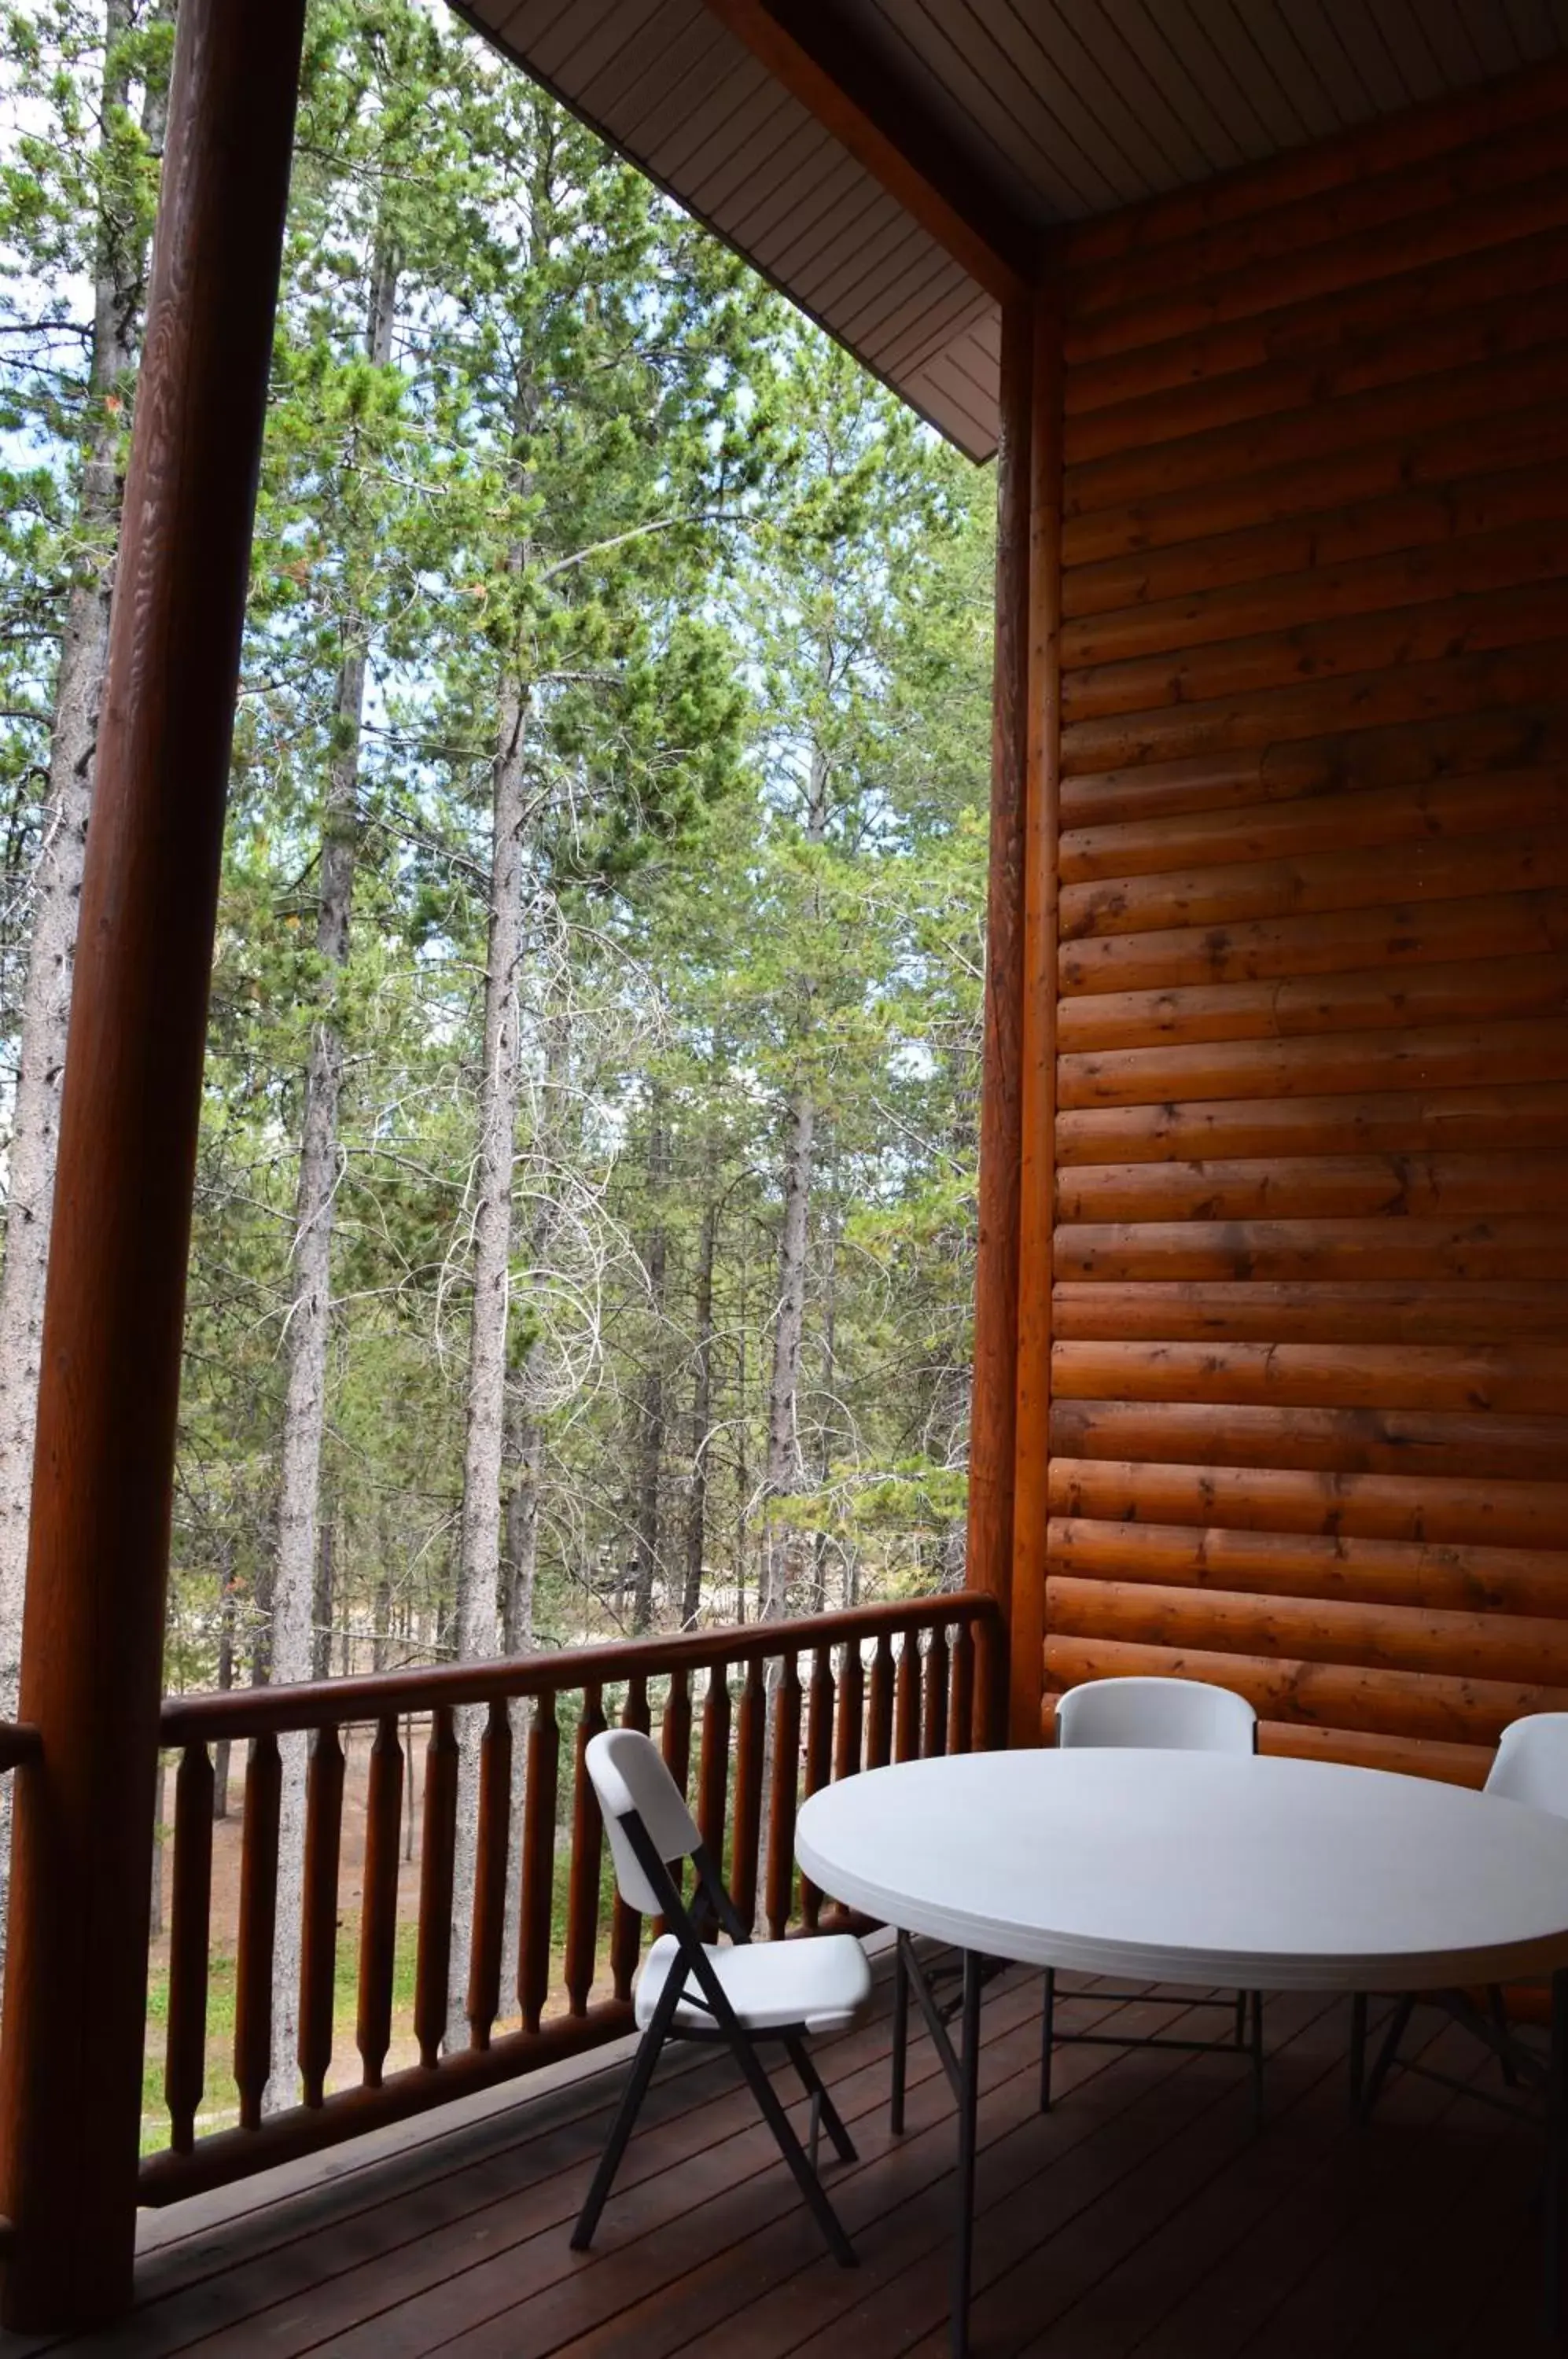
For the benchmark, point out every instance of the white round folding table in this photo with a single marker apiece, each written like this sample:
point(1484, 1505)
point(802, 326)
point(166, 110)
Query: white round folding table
point(1198, 1869)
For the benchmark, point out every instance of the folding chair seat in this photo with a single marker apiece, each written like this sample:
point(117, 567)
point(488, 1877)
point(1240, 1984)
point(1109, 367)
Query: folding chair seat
point(809, 1986)
point(738, 1996)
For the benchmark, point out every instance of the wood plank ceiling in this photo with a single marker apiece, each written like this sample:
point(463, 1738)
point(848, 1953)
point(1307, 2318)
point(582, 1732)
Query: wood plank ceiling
point(1055, 110)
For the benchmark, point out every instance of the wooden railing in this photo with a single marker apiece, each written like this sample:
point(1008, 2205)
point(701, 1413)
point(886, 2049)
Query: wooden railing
point(885, 1684)
point(19, 1743)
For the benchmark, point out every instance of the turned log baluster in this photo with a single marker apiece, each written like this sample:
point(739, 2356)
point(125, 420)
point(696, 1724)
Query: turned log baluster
point(587, 1842)
point(751, 1725)
point(537, 1903)
point(906, 1700)
point(318, 1927)
point(782, 1799)
point(378, 1923)
point(258, 1919)
point(933, 1695)
point(189, 1941)
point(677, 1747)
point(434, 1961)
point(961, 1705)
point(490, 1874)
point(626, 1925)
point(819, 1761)
point(677, 1730)
point(879, 1705)
point(713, 1775)
point(849, 1734)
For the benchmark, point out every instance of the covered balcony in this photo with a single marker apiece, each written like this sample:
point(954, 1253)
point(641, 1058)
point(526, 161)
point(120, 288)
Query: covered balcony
point(1260, 313)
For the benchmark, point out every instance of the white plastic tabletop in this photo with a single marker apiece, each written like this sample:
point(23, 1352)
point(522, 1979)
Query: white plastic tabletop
point(1196, 1867)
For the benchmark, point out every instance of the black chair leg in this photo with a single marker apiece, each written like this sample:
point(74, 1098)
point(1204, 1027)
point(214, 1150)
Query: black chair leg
point(900, 2038)
point(823, 2110)
point(793, 2152)
point(621, 2128)
point(1385, 2056)
point(1047, 2038)
point(1257, 2003)
point(1241, 2018)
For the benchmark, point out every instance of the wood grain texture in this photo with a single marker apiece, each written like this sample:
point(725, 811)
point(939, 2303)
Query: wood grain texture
point(1402, 812)
point(1324, 1630)
point(1309, 1309)
point(1452, 1708)
point(1374, 1312)
point(1522, 1118)
point(1414, 1507)
point(1466, 1578)
point(1525, 1378)
point(994, 1406)
point(1393, 940)
point(1039, 1031)
point(1332, 1440)
point(75, 2004)
point(1315, 1187)
point(378, 1923)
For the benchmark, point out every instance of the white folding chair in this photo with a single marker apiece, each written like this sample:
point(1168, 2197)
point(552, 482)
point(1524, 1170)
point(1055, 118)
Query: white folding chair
point(1531, 1766)
point(1165, 1715)
point(739, 1996)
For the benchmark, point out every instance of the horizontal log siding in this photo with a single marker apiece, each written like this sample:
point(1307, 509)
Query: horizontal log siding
point(1310, 1364)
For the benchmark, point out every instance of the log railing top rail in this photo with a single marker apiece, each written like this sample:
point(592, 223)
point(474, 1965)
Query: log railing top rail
point(242, 1713)
point(20, 1742)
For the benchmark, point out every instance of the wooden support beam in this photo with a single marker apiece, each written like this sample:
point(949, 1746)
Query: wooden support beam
point(1039, 1019)
point(815, 55)
point(993, 1412)
point(71, 2069)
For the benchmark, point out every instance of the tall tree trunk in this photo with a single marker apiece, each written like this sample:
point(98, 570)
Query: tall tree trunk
point(783, 1460)
point(789, 1331)
point(479, 1546)
point(650, 1437)
point(789, 1320)
point(382, 1610)
point(119, 300)
point(309, 1312)
point(701, 1411)
point(321, 1603)
point(830, 1379)
point(525, 1451)
point(221, 1749)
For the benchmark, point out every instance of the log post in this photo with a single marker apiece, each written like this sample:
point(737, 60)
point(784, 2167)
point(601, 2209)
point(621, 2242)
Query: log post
point(92, 1641)
point(1036, 1051)
point(993, 1400)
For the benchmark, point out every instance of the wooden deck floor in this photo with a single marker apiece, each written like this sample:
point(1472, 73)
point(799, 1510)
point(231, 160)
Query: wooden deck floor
point(1141, 2216)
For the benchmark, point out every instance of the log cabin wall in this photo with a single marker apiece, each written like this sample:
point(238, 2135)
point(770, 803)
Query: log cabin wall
point(1309, 1351)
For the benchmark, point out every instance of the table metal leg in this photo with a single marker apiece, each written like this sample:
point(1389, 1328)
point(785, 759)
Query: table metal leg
point(1556, 2140)
point(1358, 2052)
point(901, 2032)
point(968, 2106)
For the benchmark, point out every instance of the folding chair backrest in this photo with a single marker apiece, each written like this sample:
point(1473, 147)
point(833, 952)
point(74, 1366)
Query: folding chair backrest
point(1532, 1765)
point(628, 1775)
point(1172, 1716)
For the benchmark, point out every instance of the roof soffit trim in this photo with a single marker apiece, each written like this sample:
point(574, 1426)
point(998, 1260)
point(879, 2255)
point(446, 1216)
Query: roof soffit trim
point(821, 63)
